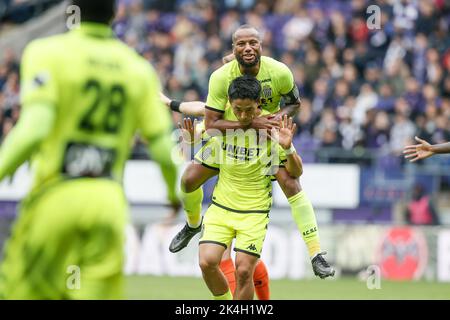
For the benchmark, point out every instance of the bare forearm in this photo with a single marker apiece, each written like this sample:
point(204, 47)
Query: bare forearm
point(289, 110)
point(294, 165)
point(193, 108)
point(441, 148)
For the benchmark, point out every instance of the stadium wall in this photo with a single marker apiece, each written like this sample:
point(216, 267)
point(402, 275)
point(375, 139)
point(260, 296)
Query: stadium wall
point(393, 252)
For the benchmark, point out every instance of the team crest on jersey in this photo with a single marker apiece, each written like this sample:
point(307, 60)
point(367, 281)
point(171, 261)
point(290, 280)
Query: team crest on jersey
point(266, 91)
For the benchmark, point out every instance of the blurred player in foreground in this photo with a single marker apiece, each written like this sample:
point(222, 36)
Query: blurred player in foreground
point(424, 150)
point(84, 95)
point(242, 197)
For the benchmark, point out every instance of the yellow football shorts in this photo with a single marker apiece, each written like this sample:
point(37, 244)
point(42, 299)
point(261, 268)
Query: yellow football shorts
point(221, 226)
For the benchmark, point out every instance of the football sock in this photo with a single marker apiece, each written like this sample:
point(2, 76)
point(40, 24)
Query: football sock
point(304, 216)
point(192, 203)
point(228, 269)
point(225, 296)
point(261, 281)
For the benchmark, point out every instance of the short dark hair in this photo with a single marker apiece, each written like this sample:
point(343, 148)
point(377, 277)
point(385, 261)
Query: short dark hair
point(244, 87)
point(100, 11)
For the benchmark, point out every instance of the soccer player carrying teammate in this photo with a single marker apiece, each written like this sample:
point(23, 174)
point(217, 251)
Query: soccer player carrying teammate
point(242, 197)
point(278, 87)
point(424, 150)
point(84, 95)
point(192, 135)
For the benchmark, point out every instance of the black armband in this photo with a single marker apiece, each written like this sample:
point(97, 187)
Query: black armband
point(175, 105)
point(292, 97)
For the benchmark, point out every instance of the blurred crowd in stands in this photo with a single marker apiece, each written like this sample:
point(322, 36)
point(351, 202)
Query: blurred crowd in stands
point(363, 91)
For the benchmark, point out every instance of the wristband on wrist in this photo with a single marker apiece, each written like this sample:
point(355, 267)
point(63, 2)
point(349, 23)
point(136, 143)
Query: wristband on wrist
point(175, 105)
point(291, 150)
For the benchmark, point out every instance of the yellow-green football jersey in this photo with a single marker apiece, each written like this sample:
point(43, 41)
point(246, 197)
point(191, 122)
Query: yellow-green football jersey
point(246, 162)
point(275, 77)
point(102, 92)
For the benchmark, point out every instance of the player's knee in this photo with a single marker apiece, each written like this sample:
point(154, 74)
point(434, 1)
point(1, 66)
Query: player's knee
point(188, 183)
point(244, 273)
point(208, 263)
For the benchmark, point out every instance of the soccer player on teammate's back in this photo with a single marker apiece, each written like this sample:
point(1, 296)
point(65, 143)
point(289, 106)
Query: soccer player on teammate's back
point(242, 198)
point(278, 88)
point(84, 95)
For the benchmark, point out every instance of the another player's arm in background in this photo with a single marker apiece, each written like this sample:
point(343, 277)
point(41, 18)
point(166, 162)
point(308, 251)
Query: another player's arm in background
point(424, 150)
point(294, 165)
point(192, 108)
point(156, 127)
point(38, 99)
point(228, 58)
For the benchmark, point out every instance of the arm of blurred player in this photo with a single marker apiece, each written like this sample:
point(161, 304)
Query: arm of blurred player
point(424, 150)
point(155, 126)
point(34, 125)
point(294, 165)
point(191, 108)
point(38, 98)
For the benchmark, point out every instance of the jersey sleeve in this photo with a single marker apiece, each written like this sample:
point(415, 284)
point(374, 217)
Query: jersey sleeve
point(217, 92)
point(286, 81)
point(153, 117)
point(38, 76)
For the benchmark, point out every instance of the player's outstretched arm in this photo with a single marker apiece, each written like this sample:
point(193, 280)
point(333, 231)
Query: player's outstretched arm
point(190, 108)
point(424, 150)
point(35, 123)
point(294, 165)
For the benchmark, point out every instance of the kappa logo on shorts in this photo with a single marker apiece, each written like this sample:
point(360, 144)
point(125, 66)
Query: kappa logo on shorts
point(251, 247)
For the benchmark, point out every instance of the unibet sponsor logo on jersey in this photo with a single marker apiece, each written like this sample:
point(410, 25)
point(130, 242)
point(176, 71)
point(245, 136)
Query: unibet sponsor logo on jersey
point(248, 146)
point(240, 153)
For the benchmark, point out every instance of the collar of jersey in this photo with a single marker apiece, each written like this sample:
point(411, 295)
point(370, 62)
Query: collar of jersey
point(95, 29)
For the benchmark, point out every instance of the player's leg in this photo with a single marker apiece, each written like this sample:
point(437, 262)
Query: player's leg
point(245, 267)
point(305, 218)
point(250, 234)
point(216, 237)
point(261, 281)
point(260, 276)
point(193, 178)
point(228, 269)
point(210, 255)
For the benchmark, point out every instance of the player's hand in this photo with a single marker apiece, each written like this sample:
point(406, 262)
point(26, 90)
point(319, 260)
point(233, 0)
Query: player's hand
point(418, 151)
point(188, 131)
point(286, 132)
point(164, 99)
point(264, 123)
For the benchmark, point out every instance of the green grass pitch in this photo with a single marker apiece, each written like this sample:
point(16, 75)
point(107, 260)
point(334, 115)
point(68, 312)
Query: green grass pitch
point(170, 288)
